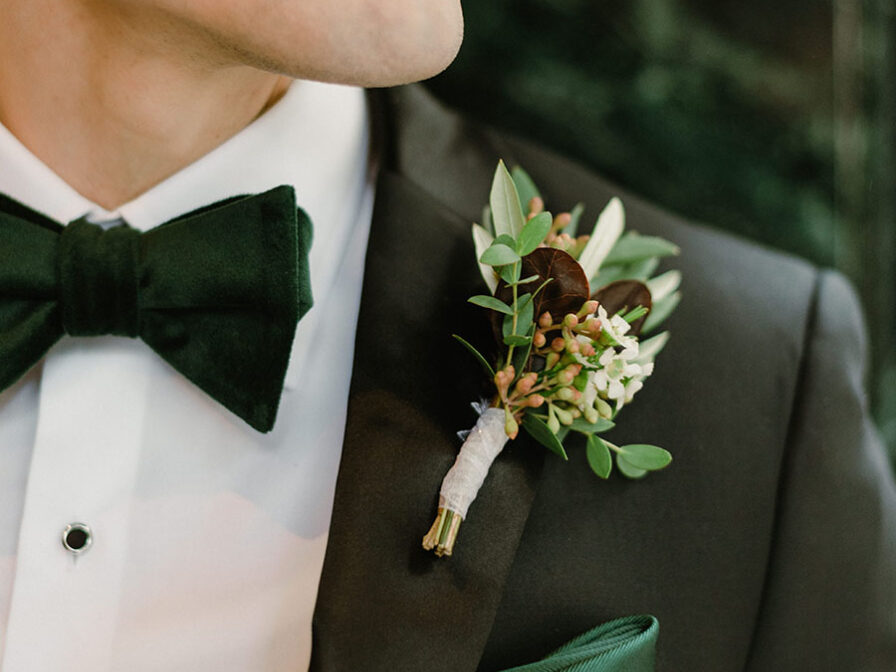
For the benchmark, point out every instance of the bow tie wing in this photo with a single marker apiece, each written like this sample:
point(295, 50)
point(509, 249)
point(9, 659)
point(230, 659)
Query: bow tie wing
point(30, 320)
point(217, 293)
point(221, 292)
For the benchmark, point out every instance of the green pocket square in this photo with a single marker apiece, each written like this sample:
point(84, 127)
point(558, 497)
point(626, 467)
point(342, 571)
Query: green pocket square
point(626, 644)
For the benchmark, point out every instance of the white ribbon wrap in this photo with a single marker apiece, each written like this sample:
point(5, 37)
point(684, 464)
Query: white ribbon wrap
point(463, 480)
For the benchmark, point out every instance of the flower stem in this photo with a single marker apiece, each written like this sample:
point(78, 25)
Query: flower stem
point(516, 316)
point(443, 533)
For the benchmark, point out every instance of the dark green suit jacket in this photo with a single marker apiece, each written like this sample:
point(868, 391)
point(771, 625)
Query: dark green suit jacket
point(769, 543)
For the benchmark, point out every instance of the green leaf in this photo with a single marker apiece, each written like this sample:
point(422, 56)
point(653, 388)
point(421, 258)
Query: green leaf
point(510, 273)
point(542, 286)
point(539, 431)
point(628, 469)
point(633, 247)
point(646, 457)
point(482, 239)
point(649, 349)
point(605, 236)
point(526, 281)
point(507, 213)
point(660, 311)
point(487, 220)
point(640, 271)
point(610, 273)
point(514, 339)
point(663, 285)
point(521, 356)
point(478, 355)
point(575, 216)
point(599, 458)
point(526, 308)
point(635, 314)
point(504, 239)
point(585, 427)
point(507, 326)
point(524, 186)
point(492, 303)
point(526, 313)
point(499, 255)
point(533, 233)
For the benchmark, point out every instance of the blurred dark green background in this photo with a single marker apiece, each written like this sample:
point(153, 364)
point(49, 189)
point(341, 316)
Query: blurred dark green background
point(770, 119)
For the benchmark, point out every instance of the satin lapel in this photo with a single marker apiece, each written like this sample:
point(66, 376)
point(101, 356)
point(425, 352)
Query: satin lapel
point(384, 603)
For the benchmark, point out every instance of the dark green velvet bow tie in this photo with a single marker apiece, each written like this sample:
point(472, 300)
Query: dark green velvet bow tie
point(217, 292)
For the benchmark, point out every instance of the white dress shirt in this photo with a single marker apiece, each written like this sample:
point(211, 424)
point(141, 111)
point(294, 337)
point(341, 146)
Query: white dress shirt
point(208, 537)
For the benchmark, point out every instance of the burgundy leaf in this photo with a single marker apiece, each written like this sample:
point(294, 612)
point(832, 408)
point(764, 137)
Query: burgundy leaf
point(622, 296)
point(566, 292)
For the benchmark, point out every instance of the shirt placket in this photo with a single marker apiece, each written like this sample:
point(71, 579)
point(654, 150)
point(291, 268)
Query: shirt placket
point(83, 470)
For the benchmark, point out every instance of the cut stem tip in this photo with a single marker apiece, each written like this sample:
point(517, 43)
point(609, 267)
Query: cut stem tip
point(443, 533)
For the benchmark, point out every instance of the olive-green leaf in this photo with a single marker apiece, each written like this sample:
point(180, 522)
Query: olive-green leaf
point(524, 186)
point(478, 355)
point(507, 325)
point(527, 280)
point(487, 220)
point(510, 273)
point(660, 311)
point(575, 216)
point(649, 349)
point(599, 458)
point(514, 339)
point(538, 430)
point(492, 303)
point(663, 285)
point(633, 247)
point(646, 457)
point(605, 236)
point(533, 233)
point(611, 273)
point(640, 270)
point(628, 469)
point(585, 427)
point(507, 214)
point(482, 239)
point(499, 255)
point(521, 356)
point(526, 308)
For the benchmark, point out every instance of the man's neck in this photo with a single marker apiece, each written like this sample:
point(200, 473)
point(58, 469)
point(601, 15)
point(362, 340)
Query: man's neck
point(110, 111)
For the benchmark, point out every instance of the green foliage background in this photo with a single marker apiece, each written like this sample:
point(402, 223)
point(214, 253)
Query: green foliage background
point(767, 119)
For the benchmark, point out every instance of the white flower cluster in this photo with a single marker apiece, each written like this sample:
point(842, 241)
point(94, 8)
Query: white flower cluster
point(619, 372)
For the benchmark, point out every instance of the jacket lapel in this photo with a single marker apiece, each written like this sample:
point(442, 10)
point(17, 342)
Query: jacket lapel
point(384, 603)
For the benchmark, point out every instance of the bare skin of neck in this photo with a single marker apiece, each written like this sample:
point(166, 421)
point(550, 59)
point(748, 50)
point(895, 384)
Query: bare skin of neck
point(115, 102)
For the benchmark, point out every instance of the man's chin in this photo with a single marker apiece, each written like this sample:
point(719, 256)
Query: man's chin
point(378, 56)
point(402, 66)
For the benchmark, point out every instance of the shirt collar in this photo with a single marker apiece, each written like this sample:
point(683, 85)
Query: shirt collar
point(314, 138)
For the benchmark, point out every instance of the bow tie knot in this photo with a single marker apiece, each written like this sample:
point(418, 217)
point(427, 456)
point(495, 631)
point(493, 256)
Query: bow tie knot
point(98, 281)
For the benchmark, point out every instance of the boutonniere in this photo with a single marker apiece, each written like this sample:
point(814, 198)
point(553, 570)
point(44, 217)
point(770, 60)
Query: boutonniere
point(569, 358)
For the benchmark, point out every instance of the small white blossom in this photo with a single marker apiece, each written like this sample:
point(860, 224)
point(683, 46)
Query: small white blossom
point(589, 394)
point(631, 388)
point(636, 383)
point(617, 377)
point(616, 328)
point(616, 368)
